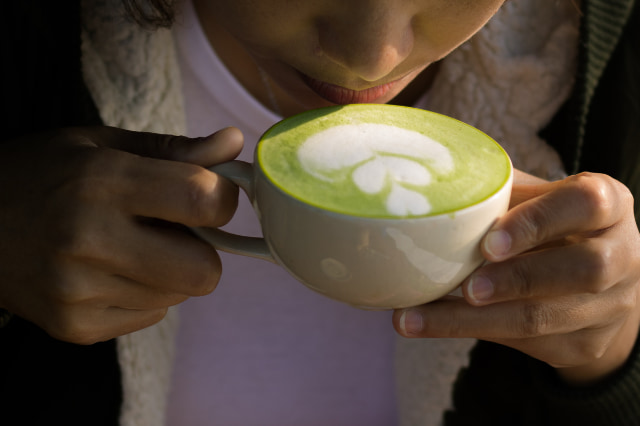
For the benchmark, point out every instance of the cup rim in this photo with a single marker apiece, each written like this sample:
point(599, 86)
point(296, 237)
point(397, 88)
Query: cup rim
point(489, 196)
point(505, 186)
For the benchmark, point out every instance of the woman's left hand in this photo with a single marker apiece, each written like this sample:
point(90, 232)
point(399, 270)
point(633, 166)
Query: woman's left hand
point(562, 285)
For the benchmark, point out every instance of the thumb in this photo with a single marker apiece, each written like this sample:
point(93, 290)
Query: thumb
point(219, 147)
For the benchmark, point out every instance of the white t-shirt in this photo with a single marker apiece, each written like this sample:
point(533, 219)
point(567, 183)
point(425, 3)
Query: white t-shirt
point(262, 349)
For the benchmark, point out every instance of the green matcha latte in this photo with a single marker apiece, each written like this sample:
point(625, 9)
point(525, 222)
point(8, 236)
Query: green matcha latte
point(382, 161)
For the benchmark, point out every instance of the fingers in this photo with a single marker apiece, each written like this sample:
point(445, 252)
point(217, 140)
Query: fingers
point(456, 318)
point(176, 192)
point(84, 288)
point(222, 146)
point(219, 147)
point(99, 224)
point(86, 327)
point(587, 336)
point(561, 281)
point(134, 296)
point(84, 305)
point(578, 238)
point(591, 266)
point(140, 186)
point(162, 257)
point(577, 205)
point(168, 259)
point(160, 181)
point(107, 293)
point(522, 319)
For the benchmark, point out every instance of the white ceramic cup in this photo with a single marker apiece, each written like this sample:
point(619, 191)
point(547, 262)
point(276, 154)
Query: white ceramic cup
point(371, 263)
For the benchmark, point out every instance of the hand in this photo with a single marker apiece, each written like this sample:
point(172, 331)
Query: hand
point(93, 244)
point(562, 285)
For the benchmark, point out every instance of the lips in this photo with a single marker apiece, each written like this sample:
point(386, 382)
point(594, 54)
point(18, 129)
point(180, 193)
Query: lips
point(342, 96)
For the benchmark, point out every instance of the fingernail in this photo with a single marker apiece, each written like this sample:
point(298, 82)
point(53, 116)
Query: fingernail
point(497, 243)
point(411, 322)
point(480, 288)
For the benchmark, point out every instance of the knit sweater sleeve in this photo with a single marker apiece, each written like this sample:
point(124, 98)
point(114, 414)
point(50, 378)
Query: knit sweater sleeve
point(502, 386)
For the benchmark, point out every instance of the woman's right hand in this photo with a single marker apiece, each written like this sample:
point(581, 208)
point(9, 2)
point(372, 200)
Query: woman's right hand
point(92, 223)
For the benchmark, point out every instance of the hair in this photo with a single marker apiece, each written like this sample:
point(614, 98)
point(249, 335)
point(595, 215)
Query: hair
point(151, 13)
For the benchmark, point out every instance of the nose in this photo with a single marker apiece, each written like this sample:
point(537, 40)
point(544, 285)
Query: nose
point(369, 38)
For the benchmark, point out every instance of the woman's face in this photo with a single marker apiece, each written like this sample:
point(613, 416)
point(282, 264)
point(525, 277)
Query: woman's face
point(324, 52)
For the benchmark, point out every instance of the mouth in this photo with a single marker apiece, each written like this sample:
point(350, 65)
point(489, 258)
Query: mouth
point(342, 96)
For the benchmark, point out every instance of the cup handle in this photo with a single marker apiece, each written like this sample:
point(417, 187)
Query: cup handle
point(240, 173)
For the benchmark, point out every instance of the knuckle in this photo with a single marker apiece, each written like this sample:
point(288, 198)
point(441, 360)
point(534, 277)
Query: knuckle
point(74, 240)
point(73, 215)
point(170, 147)
point(627, 301)
point(597, 267)
point(96, 169)
point(522, 280)
point(198, 198)
point(626, 197)
point(535, 321)
point(531, 223)
point(595, 195)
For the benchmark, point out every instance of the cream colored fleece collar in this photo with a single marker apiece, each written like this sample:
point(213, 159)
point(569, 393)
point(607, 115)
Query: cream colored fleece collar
point(508, 80)
point(133, 77)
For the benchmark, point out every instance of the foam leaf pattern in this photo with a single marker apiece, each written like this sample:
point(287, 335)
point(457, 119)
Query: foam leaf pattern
point(383, 154)
point(404, 202)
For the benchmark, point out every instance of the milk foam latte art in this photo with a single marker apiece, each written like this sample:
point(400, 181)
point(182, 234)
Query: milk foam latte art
point(377, 206)
point(379, 155)
point(352, 160)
